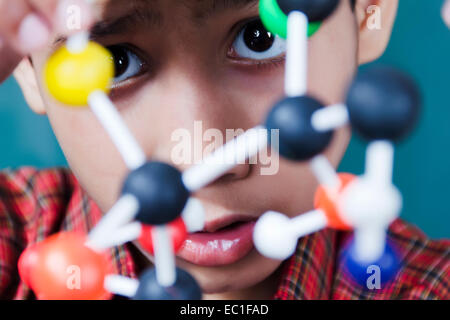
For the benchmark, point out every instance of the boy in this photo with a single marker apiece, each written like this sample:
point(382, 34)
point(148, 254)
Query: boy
point(179, 62)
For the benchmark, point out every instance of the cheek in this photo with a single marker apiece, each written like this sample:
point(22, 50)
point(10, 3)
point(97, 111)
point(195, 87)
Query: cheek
point(89, 152)
point(256, 91)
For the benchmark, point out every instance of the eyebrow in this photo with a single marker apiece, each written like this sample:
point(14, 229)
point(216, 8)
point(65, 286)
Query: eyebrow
point(141, 15)
point(146, 16)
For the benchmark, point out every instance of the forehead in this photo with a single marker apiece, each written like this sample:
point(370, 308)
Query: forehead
point(121, 16)
point(204, 8)
point(199, 9)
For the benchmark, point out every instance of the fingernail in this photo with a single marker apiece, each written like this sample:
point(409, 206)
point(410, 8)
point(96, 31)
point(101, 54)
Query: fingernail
point(33, 33)
point(446, 13)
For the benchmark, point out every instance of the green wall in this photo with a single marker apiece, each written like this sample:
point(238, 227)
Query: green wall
point(420, 45)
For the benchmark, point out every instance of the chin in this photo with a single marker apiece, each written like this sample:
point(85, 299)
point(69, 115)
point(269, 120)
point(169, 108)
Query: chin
point(240, 275)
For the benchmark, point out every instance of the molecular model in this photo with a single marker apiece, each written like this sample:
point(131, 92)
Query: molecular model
point(156, 206)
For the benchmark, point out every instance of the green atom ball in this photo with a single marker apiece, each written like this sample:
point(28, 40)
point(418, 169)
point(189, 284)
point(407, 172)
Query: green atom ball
point(275, 20)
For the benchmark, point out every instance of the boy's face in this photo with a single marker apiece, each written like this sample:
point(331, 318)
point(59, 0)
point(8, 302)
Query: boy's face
point(186, 61)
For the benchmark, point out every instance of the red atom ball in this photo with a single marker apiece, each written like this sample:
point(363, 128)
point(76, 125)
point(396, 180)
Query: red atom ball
point(177, 230)
point(62, 267)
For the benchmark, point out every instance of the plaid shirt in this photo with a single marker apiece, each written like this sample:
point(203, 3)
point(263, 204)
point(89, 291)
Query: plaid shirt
point(35, 204)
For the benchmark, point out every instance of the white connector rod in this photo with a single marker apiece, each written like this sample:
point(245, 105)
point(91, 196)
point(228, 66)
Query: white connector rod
point(325, 173)
point(164, 256)
point(120, 236)
point(193, 215)
point(369, 243)
point(296, 74)
point(122, 213)
point(121, 285)
point(330, 118)
point(225, 158)
point(380, 162)
point(308, 222)
point(112, 122)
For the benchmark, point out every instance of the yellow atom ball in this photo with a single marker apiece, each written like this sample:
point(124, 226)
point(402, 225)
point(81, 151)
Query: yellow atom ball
point(72, 77)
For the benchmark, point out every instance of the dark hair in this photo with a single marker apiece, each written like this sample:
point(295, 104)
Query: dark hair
point(353, 2)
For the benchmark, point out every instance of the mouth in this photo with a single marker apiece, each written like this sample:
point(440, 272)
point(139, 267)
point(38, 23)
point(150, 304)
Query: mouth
point(221, 242)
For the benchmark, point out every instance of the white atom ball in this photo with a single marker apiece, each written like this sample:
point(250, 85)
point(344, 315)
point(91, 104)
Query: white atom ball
point(273, 237)
point(367, 204)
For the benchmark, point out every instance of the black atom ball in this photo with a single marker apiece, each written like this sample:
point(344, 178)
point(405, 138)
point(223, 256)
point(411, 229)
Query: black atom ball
point(159, 190)
point(185, 287)
point(298, 140)
point(316, 10)
point(383, 104)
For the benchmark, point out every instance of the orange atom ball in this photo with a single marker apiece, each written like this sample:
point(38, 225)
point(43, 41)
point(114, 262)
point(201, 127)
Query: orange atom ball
point(323, 202)
point(62, 267)
point(27, 261)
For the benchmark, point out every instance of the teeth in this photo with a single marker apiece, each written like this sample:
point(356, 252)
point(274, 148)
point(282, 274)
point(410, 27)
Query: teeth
point(230, 225)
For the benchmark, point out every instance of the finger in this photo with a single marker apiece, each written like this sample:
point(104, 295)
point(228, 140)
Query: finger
point(10, 59)
point(21, 27)
point(446, 13)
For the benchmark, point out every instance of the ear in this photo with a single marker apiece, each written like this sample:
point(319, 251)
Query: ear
point(375, 20)
point(26, 77)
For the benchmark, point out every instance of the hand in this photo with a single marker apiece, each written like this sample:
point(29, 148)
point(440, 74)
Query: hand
point(28, 25)
point(446, 12)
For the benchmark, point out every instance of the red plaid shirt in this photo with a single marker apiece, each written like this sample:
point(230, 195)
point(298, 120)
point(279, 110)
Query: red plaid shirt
point(35, 204)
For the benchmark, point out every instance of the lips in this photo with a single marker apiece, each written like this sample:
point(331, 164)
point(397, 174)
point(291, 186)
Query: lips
point(222, 242)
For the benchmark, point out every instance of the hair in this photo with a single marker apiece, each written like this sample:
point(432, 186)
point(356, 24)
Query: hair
point(353, 3)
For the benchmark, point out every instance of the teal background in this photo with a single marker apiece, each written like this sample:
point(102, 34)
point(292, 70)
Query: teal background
point(420, 45)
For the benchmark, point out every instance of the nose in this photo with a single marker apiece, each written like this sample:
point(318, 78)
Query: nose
point(210, 103)
point(240, 171)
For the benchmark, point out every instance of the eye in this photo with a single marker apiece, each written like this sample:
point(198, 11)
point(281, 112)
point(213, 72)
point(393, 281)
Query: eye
point(255, 42)
point(126, 62)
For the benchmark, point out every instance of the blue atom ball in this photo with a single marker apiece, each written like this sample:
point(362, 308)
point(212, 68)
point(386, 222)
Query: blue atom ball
point(366, 273)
